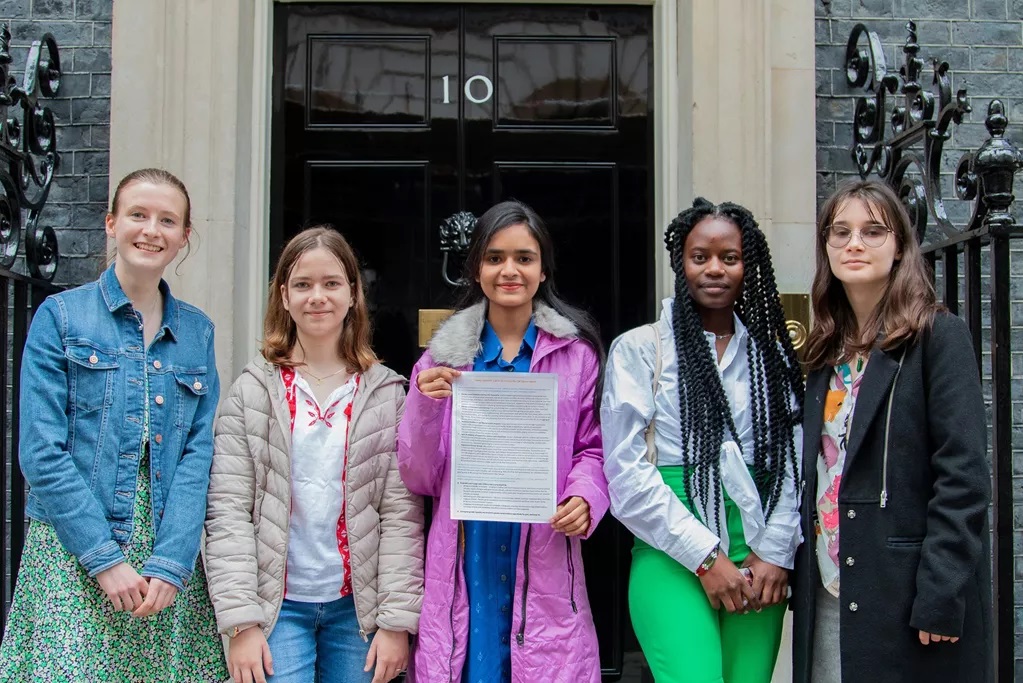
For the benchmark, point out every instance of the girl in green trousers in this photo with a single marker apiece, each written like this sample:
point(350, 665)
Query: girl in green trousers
point(700, 420)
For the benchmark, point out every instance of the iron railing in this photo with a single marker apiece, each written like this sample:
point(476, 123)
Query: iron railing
point(28, 163)
point(906, 153)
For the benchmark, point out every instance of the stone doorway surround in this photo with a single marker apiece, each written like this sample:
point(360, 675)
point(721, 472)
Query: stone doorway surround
point(734, 117)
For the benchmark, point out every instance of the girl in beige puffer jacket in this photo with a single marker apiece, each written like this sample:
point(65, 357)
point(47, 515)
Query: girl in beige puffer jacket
point(314, 546)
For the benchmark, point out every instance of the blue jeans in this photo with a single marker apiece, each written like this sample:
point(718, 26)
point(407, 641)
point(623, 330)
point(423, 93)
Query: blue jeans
point(318, 641)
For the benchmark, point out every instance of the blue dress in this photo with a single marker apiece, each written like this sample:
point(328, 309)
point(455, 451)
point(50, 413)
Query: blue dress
point(491, 552)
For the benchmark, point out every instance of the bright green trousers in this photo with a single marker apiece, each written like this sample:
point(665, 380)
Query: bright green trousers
point(683, 638)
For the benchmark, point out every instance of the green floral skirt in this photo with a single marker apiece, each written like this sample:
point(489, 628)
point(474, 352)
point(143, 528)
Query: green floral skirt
point(62, 627)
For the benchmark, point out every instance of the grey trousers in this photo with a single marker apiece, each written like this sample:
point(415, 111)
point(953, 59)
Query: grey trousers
point(827, 659)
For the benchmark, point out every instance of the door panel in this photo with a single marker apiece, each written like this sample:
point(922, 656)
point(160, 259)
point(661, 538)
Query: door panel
point(571, 113)
point(384, 81)
point(389, 118)
point(551, 81)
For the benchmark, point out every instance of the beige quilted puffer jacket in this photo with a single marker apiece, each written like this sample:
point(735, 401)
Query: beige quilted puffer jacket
point(250, 498)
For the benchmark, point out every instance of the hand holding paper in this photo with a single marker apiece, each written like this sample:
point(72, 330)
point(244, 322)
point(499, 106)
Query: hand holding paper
point(436, 382)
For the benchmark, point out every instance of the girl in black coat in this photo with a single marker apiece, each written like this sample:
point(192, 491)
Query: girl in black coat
point(893, 580)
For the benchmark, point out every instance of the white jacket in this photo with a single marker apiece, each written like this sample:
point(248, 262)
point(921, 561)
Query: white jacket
point(640, 499)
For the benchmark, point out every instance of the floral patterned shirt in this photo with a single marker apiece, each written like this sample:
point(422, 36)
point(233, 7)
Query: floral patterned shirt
point(843, 389)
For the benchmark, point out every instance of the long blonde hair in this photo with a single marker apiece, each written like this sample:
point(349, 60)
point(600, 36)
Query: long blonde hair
point(279, 331)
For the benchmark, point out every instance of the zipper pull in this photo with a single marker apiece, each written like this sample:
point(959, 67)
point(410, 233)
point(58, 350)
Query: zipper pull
point(884, 498)
point(362, 634)
point(520, 639)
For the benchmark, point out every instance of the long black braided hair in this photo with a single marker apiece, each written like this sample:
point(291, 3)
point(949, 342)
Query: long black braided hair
point(775, 374)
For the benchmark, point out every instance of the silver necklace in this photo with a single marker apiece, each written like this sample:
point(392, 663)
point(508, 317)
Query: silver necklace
point(157, 306)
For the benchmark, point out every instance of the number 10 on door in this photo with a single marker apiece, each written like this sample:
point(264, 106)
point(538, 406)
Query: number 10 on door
point(471, 91)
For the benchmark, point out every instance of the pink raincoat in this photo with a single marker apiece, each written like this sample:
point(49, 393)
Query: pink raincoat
point(553, 639)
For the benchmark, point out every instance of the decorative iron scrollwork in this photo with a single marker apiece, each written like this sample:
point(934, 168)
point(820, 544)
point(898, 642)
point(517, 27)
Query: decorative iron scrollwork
point(455, 233)
point(919, 115)
point(41, 250)
point(28, 150)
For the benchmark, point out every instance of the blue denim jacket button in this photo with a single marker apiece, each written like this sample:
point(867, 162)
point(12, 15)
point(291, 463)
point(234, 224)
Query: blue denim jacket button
point(93, 359)
point(159, 400)
point(156, 364)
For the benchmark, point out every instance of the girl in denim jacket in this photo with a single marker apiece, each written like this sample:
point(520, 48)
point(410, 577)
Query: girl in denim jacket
point(119, 389)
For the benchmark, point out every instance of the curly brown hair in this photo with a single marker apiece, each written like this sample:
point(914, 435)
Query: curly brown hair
point(279, 331)
point(908, 304)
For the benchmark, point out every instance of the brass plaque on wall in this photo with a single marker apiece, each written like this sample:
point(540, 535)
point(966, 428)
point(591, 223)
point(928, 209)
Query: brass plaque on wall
point(429, 320)
point(797, 320)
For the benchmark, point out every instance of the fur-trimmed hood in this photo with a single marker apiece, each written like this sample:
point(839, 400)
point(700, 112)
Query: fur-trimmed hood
point(457, 342)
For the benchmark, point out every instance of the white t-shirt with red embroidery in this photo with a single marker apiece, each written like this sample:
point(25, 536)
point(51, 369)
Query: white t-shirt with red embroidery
point(319, 568)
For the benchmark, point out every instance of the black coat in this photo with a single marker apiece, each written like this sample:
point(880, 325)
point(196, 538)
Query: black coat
point(922, 561)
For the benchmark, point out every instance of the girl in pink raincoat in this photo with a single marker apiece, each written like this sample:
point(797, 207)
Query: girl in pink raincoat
point(504, 602)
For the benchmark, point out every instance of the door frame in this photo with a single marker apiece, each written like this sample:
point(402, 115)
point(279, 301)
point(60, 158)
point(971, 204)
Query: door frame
point(734, 105)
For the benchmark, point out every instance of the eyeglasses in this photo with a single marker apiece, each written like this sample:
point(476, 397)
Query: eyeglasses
point(872, 236)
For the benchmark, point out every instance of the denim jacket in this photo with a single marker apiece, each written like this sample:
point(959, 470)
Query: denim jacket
point(82, 408)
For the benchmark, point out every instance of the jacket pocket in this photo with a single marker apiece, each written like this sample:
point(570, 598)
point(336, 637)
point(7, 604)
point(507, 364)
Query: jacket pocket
point(191, 387)
point(904, 541)
point(92, 372)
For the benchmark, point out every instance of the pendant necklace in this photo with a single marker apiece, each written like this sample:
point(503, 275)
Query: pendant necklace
point(321, 380)
point(724, 336)
point(859, 360)
point(148, 318)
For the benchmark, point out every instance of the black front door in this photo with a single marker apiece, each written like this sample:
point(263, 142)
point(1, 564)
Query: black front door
point(389, 118)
